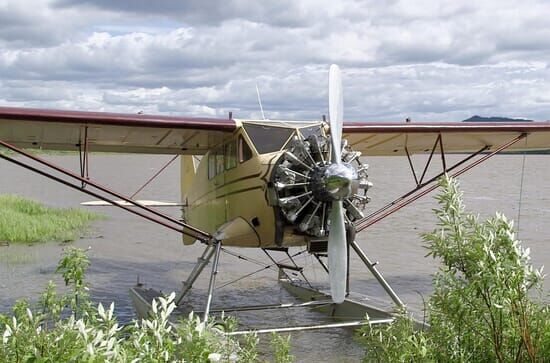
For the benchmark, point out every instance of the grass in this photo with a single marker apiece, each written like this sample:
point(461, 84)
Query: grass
point(47, 152)
point(4, 151)
point(8, 152)
point(26, 221)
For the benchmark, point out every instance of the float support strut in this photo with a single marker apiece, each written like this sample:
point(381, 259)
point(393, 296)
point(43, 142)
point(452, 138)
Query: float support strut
point(372, 268)
point(197, 270)
point(212, 280)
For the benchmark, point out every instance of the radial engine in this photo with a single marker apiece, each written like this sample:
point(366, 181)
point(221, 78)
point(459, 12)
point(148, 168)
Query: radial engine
point(306, 183)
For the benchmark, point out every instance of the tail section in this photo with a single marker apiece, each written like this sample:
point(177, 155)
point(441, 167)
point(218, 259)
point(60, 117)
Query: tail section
point(188, 170)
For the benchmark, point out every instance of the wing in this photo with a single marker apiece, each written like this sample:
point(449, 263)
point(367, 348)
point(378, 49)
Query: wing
point(382, 138)
point(69, 130)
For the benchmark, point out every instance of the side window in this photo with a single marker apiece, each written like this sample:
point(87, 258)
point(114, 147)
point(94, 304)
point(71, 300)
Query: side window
point(219, 161)
point(215, 163)
point(212, 164)
point(245, 153)
point(230, 155)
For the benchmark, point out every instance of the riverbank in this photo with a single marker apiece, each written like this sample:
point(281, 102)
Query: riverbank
point(26, 221)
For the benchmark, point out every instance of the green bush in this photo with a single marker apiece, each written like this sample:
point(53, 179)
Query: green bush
point(70, 328)
point(487, 303)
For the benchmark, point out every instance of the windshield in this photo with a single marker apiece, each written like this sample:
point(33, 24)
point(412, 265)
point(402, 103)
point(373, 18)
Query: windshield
point(268, 138)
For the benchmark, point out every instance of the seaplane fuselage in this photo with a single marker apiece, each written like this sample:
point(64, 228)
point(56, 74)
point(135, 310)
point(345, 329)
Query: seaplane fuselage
point(250, 192)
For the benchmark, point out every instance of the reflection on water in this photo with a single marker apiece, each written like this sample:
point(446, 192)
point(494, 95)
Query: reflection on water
point(125, 247)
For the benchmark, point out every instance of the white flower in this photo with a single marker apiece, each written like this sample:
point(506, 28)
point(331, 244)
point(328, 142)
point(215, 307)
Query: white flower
point(200, 327)
point(170, 308)
point(7, 334)
point(101, 311)
point(98, 337)
point(90, 349)
point(111, 343)
point(111, 310)
point(214, 357)
point(113, 329)
point(82, 329)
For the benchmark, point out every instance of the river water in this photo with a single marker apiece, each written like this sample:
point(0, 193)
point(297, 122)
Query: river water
point(124, 247)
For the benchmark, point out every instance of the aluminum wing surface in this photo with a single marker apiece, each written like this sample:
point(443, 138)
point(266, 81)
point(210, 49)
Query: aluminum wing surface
point(113, 132)
point(382, 138)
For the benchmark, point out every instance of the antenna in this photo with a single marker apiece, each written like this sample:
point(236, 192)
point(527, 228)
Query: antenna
point(260, 100)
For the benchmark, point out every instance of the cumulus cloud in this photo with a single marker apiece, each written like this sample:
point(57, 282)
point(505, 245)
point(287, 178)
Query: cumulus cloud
point(429, 60)
point(284, 13)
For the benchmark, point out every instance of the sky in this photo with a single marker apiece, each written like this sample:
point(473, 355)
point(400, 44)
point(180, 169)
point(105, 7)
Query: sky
point(427, 60)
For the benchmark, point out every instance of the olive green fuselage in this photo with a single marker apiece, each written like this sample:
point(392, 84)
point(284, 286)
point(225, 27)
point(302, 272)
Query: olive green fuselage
point(235, 189)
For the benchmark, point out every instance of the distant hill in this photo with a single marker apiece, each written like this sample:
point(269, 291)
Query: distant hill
point(477, 118)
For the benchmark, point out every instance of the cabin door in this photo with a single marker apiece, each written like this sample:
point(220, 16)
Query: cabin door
point(216, 205)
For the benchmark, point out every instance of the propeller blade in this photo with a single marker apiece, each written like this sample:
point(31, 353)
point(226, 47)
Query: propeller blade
point(337, 253)
point(335, 111)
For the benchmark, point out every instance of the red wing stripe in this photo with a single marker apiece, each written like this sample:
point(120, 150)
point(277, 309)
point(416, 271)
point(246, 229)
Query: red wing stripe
point(425, 127)
point(116, 119)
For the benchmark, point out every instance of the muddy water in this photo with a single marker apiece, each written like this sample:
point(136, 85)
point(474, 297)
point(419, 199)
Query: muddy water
point(124, 247)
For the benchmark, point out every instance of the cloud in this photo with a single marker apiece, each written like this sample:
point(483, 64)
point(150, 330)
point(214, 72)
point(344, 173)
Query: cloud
point(284, 13)
point(428, 60)
point(27, 24)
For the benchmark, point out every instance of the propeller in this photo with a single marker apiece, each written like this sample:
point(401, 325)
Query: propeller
point(337, 244)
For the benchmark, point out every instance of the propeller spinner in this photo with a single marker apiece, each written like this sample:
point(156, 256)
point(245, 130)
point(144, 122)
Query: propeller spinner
point(321, 183)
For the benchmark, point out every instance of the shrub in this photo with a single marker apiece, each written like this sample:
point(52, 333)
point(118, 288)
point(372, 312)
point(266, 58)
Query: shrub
point(487, 303)
point(70, 328)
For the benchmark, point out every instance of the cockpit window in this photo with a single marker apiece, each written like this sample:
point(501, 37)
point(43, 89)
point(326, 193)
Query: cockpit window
point(268, 138)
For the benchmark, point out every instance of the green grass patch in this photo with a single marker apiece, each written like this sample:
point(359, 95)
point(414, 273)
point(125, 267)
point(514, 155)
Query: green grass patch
point(26, 221)
point(8, 152)
point(4, 151)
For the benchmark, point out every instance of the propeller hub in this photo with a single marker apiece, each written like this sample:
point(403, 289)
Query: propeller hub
point(336, 181)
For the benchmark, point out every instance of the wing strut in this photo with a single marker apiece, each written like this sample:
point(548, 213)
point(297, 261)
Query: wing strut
point(154, 176)
point(159, 217)
point(410, 197)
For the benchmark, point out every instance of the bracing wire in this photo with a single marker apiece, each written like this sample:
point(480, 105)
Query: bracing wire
point(521, 189)
point(248, 259)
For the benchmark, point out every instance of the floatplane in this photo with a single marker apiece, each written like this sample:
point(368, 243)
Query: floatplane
point(267, 184)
